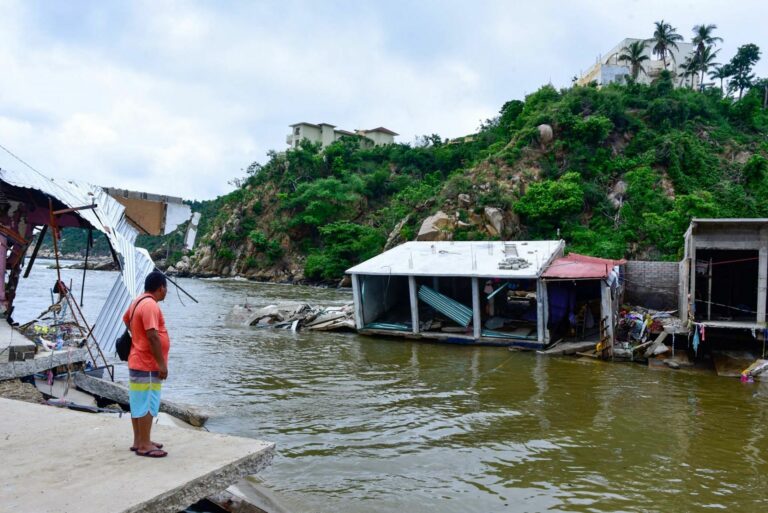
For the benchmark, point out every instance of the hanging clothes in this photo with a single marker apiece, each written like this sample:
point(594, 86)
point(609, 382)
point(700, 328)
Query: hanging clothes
point(703, 333)
point(696, 339)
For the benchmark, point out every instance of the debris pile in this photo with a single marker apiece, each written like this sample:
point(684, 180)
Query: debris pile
point(55, 328)
point(294, 316)
point(638, 324)
point(514, 264)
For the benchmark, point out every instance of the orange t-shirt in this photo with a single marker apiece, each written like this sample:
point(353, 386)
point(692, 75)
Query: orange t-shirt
point(147, 316)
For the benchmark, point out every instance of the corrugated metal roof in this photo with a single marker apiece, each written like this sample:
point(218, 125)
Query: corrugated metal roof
point(580, 267)
point(108, 217)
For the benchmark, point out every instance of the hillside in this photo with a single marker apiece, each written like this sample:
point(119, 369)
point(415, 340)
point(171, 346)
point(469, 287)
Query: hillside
point(616, 172)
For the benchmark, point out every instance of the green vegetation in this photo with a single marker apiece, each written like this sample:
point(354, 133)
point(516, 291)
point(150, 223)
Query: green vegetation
point(628, 167)
point(616, 172)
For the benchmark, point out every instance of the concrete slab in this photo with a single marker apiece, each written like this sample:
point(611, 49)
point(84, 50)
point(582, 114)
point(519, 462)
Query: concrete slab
point(13, 344)
point(41, 362)
point(63, 461)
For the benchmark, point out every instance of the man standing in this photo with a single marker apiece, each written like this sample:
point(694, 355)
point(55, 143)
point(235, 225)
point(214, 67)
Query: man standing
point(147, 362)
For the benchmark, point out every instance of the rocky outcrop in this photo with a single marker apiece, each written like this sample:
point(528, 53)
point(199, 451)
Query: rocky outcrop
point(394, 236)
point(437, 227)
point(616, 196)
point(494, 221)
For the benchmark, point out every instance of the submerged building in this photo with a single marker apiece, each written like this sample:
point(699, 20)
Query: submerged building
point(487, 292)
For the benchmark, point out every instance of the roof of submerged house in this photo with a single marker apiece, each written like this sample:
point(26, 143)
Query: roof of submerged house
point(580, 267)
point(488, 259)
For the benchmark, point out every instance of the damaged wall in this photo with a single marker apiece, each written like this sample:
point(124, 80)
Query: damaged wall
point(652, 284)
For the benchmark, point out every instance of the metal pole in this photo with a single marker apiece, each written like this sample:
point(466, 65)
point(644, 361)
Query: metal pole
point(177, 286)
point(39, 243)
point(88, 243)
point(54, 236)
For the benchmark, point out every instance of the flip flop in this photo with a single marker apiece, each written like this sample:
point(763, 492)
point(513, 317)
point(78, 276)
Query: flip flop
point(159, 446)
point(154, 453)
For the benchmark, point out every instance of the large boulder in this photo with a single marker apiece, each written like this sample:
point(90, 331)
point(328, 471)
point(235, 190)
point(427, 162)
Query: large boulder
point(436, 227)
point(494, 218)
point(183, 265)
point(546, 134)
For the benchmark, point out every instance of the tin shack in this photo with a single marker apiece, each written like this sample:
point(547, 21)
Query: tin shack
point(468, 292)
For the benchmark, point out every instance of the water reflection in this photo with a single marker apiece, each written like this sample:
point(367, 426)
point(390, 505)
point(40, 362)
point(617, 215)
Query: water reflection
point(371, 425)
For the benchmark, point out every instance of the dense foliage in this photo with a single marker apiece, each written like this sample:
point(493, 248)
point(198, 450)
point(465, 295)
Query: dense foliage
point(628, 167)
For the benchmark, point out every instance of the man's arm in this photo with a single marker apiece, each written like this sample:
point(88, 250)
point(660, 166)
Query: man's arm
point(157, 351)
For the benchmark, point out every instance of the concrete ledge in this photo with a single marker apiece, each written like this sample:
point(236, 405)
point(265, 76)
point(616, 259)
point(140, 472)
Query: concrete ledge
point(69, 462)
point(119, 393)
point(40, 363)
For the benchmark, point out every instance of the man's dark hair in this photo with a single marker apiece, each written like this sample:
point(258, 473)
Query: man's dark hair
point(154, 281)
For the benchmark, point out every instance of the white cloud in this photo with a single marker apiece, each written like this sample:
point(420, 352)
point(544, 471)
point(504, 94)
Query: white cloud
point(179, 97)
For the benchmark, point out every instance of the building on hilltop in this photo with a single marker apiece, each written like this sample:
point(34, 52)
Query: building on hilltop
point(609, 69)
point(326, 134)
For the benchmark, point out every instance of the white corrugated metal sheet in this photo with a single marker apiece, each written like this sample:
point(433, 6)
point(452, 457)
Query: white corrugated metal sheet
point(108, 217)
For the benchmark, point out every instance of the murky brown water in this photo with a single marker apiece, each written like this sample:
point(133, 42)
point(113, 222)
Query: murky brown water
point(374, 425)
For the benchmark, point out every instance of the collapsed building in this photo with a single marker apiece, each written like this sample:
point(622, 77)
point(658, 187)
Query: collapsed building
point(33, 205)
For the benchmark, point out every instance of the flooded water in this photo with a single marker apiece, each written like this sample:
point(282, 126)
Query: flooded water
point(379, 425)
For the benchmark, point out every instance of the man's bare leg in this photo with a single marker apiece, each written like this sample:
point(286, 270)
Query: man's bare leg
point(143, 444)
point(135, 424)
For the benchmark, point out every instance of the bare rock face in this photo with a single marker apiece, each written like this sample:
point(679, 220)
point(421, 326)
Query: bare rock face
point(546, 134)
point(616, 196)
point(464, 200)
point(183, 265)
point(494, 218)
point(742, 157)
point(394, 235)
point(203, 259)
point(436, 227)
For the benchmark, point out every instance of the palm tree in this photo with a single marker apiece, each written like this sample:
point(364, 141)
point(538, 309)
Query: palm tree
point(634, 54)
point(704, 41)
point(721, 72)
point(702, 37)
point(665, 38)
point(706, 60)
point(688, 69)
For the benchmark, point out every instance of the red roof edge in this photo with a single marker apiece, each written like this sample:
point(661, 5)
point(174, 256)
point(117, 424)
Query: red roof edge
point(575, 266)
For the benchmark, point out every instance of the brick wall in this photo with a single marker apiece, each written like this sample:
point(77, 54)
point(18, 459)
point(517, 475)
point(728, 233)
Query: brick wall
point(651, 284)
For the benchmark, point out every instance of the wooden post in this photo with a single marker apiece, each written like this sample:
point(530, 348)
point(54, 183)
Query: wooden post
point(414, 304)
point(357, 299)
point(477, 319)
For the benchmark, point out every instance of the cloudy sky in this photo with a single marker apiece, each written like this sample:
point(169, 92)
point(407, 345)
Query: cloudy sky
point(179, 97)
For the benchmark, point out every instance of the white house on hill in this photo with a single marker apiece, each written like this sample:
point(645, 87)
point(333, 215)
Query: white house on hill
point(326, 134)
point(609, 69)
